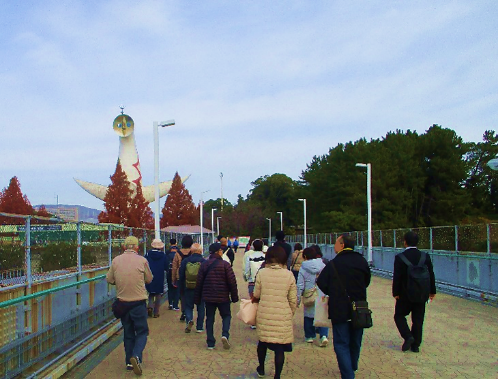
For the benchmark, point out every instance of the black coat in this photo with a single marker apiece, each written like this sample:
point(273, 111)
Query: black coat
point(158, 264)
point(355, 275)
point(400, 271)
point(219, 285)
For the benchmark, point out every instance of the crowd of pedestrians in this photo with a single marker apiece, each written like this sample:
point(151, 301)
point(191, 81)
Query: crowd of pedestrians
point(279, 280)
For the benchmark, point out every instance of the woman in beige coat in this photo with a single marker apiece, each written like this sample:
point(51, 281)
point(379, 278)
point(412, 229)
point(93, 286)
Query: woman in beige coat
point(276, 292)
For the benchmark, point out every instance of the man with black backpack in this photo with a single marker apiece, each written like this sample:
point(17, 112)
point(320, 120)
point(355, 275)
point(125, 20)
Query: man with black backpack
point(413, 285)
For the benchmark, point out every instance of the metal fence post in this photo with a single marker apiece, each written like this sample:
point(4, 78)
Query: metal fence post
point(456, 239)
point(430, 240)
point(488, 234)
point(380, 241)
point(29, 278)
point(145, 241)
point(394, 238)
point(78, 249)
point(109, 247)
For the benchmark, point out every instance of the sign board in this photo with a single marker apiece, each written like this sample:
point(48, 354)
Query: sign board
point(40, 228)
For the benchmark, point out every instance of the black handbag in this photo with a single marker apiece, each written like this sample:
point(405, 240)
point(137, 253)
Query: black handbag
point(121, 308)
point(361, 315)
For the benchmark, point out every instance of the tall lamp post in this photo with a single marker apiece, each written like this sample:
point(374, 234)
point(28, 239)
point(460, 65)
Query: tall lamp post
point(369, 206)
point(221, 186)
point(281, 221)
point(304, 214)
point(269, 231)
point(218, 224)
point(212, 224)
point(163, 124)
point(202, 221)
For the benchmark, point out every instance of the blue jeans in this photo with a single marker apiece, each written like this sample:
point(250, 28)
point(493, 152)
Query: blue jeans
point(136, 331)
point(226, 317)
point(347, 346)
point(189, 309)
point(250, 288)
point(173, 295)
point(310, 331)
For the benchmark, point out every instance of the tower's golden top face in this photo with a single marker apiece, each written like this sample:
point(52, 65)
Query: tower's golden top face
point(123, 125)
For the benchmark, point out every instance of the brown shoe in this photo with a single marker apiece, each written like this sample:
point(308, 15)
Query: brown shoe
point(156, 315)
point(149, 311)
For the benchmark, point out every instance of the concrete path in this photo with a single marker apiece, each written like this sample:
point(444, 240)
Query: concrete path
point(460, 341)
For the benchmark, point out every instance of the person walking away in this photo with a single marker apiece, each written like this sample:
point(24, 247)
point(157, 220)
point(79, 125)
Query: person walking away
point(280, 241)
point(252, 264)
point(310, 269)
point(228, 254)
point(183, 253)
point(319, 254)
point(275, 290)
point(189, 270)
point(351, 269)
point(249, 250)
point(235, 244)
point(217, 286)
point(297, 259)
point(173, 295)
point(130, 272)
point(158, 265)
point(413, 284)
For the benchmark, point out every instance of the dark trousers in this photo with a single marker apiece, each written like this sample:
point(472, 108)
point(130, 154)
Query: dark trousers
point(182, 300)
point(136, 331)
point(226, 317)
point(347, 346)
point(155, 302)
point(189, 309)
point(403, 309)
point(310, 330)
point(172, 294)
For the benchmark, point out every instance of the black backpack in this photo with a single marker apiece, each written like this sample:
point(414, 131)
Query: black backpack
point(418, 282)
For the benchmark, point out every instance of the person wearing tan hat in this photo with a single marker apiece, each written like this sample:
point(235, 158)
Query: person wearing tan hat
point(130, 272)
point(158, 265)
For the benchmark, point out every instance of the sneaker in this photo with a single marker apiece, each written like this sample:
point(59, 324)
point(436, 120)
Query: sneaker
point(253, 326)
point(129, 367)
point(149, 312)
point(407, 344)
point(260, 371)
point(188, 329)
point(210, 347)
point(200, 330)
point(137, 367)
point(309, 340)
point(324, 341)
point(156, 315)
point(176, 309)
point(183, 317)
point(170, 307)
point(226, 344)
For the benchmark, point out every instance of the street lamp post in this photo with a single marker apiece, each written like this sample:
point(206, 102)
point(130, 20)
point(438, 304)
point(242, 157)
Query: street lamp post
point(163, 124)
point(269, 231)
point(281, 221)
point(202, 221)
point(369, 206)
point(218, 224)
point(304, 214)
point(212, 224)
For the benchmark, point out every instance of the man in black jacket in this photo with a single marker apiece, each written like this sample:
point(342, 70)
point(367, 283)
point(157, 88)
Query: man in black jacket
point(413, 337)
point(216, 285)
point(352, 270)
point(280, 241)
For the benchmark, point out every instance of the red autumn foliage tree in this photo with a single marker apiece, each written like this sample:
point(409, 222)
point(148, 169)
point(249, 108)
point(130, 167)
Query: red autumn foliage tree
point(117, 199)
point(140, 214)
point(13, 201)
point(179, 209)
point(42, 212)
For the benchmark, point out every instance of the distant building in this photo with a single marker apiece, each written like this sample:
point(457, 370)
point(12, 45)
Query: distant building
point(67, 213)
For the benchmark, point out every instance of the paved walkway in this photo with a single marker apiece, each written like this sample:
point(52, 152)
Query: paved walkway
point(460, 341)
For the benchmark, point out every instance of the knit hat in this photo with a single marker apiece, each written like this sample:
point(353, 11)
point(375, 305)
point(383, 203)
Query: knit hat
point(214, 247)
point(131, 240)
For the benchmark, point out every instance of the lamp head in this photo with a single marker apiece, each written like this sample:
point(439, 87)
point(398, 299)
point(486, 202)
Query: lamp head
point(164, 124)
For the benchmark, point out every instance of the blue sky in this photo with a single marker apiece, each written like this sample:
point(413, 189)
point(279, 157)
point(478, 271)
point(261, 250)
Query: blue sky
point(255, 87)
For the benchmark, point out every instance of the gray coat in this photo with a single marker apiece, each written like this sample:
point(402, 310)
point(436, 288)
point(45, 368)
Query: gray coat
point(306, 280)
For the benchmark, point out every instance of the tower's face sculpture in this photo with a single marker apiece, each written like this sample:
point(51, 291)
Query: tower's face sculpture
point(123, 125)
